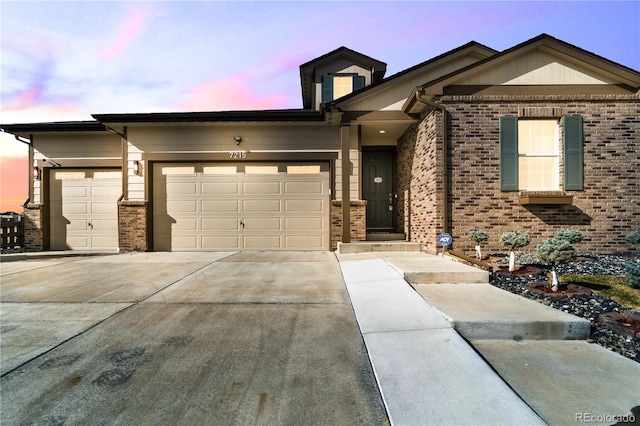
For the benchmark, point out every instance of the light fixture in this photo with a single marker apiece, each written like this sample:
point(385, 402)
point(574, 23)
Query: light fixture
point(382, 132)
point(137, 168)
point(238, 139)
point(37, 174)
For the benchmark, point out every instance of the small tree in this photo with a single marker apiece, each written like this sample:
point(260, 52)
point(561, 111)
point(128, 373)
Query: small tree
point(513, 241)
point(560, 249)
point(478, 237)
point(633, 269)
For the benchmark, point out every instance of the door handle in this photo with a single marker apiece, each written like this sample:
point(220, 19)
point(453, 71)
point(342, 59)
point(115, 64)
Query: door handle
point(242, 223)
point(90, 224)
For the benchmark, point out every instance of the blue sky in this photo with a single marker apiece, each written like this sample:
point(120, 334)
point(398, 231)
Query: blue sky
point(66, 60)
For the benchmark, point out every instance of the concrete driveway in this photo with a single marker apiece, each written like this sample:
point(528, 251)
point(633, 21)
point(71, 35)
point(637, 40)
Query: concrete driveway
point(181, 338)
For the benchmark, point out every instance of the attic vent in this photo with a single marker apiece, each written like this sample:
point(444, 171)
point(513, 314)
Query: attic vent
point(540, 112)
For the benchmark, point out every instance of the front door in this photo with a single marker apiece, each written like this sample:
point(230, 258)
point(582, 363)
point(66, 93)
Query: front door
point(377, 188)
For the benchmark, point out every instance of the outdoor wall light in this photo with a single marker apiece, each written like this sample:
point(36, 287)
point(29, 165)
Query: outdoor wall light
point(238, 139)
point(137, 168)
point(37, 174)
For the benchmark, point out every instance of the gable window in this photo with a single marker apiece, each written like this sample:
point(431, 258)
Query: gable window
point(337, 86)
point(530, 154)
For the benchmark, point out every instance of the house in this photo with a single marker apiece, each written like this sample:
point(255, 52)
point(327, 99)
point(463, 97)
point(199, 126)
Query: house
point(540, 137)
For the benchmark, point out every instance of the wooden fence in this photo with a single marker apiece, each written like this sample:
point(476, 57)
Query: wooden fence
point(12, 232)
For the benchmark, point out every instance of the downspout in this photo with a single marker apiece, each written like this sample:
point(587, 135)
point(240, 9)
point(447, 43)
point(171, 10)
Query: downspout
point(445, 148)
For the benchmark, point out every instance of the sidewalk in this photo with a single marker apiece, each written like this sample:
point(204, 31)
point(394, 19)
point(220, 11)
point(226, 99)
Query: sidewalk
point(464, 352)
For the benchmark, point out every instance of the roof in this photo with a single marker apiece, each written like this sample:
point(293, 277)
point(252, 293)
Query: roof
point(624, 74)
point(307, 70)
point(59, 126)
point(293, 115)
point(472, 45)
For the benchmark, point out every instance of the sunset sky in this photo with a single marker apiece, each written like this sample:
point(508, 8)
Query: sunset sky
point(67, 60)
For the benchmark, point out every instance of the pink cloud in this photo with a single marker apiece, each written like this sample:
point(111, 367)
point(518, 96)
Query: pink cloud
point(128, 33)
point(228, 94)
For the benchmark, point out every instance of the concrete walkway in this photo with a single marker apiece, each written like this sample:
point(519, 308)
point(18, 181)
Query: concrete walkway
point(520, 362)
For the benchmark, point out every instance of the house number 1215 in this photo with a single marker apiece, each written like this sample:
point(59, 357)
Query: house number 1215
point(238, 155)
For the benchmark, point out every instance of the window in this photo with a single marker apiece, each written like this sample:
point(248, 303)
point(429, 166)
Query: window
point(529, 154)
point(538, 166)
point(337, 86)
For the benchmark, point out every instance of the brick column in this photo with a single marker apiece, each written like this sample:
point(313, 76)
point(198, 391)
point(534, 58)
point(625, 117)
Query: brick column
point(33, 232)
point(358, 221)
point(133, 225)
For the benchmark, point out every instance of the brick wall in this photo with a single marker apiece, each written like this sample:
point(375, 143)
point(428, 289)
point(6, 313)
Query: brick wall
point(133, 225)
point(605, 211)
point(358, 221)
point(33, 227)
point(419, 169)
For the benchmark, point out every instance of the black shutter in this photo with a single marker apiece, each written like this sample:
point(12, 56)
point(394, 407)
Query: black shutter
point(327, 89)
point(508, 153)
point(358, 82)
point(573, 153)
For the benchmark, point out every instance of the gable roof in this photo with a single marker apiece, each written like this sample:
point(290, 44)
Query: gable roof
point(473, 48)
point(607, 71)
point(307, 70)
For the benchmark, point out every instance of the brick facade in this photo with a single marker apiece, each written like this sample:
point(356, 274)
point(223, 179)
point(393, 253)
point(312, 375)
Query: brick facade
point(605, 211)
point(133, 225)
point(358, 221)
point(419, 166)
point(33, 227)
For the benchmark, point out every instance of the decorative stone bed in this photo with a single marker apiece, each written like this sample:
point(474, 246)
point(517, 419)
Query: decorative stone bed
point(612, 325)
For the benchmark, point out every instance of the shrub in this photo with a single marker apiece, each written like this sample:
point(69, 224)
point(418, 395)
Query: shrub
point(556, 251)
point(514, 240)
point(633, 237)
point(478, 236)
point(633, 274)
point(571, 235)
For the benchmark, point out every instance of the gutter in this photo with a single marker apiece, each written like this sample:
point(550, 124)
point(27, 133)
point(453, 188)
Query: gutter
point(420, 96)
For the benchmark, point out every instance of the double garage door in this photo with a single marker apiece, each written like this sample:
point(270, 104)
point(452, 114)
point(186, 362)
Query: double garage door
point(246, 206)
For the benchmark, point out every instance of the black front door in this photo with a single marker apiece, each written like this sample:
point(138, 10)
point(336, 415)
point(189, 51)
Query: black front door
point(377, 188)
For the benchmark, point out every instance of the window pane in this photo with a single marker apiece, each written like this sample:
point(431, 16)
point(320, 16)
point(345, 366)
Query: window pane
point(342, 86)
point(538, 146)
point(261, 170)
point(219, 170)
point(169, 170)
point(303, 170)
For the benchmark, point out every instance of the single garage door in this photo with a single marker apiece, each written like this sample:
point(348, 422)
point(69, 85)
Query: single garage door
point(250, 206)
point(84, 209)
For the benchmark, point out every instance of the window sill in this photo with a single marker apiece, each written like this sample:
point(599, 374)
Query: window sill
point(545, 197)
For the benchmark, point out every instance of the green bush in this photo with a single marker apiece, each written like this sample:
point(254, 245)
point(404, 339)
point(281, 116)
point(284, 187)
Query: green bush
point(556, 251)
point(633, 237)
point(478, 236)
point(571, 235)
point(633, 274)
point(514, 240)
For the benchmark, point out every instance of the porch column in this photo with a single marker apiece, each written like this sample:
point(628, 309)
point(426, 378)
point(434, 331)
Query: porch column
point(346, 184)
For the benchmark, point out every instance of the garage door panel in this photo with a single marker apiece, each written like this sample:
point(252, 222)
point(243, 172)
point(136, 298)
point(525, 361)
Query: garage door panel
point(77, 243)
point(303, 223)
point(182, 206)
point(220, 224)
point(310, 206)
point(74, 191)
point(75, 208)
point(263, 223)
point(184, 242)
point(185, 224)
point(108, 207)
point(261, 206)
point(106, 242)
point(78, 225)
point(221, 242)
point(262, 242)
point(306, 242)
point(295, 188)
point(261, 188)
point(181, 188)
point(104, 225)
point(220, 206)
point(109, 192)
point(220, 188)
